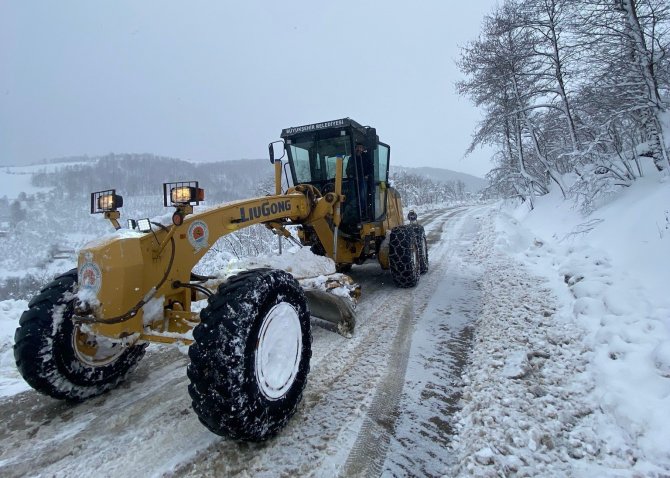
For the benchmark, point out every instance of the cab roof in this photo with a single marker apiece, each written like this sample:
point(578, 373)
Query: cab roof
point(308, 128)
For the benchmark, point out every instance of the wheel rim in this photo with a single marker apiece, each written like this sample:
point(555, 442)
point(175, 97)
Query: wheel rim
point(278, 351)
point(93, 350)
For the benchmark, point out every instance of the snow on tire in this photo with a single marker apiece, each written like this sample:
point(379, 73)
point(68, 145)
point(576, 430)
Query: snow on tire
point(422, 243)
point(57, 358)
point(250, 356)
point(404, 256)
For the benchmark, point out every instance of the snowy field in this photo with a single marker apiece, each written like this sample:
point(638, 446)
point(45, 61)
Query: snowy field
point(18, 179)
point(538, 345)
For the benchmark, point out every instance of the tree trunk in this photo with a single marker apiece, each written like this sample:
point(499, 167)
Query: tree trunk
point(531, 130)
point(645, 63)
point(560, 76)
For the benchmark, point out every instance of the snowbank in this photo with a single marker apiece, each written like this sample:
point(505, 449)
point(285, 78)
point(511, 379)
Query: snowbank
point(579, 386)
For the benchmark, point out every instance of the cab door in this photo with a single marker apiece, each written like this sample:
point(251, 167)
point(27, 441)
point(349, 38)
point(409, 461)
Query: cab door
point(381, 174)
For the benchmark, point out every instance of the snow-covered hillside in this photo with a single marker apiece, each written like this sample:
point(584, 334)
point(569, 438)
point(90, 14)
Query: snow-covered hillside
point(17, 180)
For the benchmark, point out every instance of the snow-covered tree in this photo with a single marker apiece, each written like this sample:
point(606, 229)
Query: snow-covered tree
point(630, 42)
point(570, 86)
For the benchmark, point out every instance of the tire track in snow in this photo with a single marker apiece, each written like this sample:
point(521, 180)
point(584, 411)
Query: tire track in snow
point(369, 452)
point(55, 438)
point(370, 447)
point(442, 341)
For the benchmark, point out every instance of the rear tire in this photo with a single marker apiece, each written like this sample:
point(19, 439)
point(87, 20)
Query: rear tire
point(422, 242)
point(404, 256)
point(250, 356)
point(56, 358)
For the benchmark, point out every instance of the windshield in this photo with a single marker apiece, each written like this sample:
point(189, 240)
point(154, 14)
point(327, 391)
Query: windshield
point(314, 160)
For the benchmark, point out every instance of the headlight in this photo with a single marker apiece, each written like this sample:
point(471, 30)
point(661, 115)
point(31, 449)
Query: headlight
point(105, 201)
point(183, 193)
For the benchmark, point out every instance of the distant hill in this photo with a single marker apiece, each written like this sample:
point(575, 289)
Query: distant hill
point(472, 183)
point(143, 174)
point(137, 175)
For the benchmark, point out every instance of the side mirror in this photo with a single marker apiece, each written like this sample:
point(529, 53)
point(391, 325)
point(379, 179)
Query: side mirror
point(276, 154)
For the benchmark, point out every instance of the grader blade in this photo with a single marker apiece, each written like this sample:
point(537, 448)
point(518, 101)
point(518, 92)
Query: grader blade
point(333, 298)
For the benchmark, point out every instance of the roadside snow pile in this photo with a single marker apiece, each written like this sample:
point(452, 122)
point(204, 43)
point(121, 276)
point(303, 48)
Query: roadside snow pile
point(524, 394)
point(627, 398)
point(576, 384)
point(613, 282)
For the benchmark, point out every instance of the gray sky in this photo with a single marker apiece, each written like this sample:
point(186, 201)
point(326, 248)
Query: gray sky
point(213, 80)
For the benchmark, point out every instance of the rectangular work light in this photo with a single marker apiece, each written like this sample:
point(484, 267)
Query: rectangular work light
point(144, 225)
point(182, 193)
point(105, 201)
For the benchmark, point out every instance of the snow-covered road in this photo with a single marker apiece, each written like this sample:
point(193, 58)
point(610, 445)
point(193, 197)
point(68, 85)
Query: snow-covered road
point(381, 402)
point(514, 356)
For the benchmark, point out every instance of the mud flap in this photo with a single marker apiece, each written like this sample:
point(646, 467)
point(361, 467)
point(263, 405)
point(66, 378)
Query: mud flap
point(333, 298)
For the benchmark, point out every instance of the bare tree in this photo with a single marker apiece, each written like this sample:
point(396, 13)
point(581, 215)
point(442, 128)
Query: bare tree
point(629, 40)
point(570, 86)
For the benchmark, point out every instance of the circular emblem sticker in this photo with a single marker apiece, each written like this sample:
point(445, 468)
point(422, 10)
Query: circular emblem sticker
point(90, 277)
point(198, 233)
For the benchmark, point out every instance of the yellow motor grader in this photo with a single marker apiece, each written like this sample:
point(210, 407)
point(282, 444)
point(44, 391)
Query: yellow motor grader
point(250, 346)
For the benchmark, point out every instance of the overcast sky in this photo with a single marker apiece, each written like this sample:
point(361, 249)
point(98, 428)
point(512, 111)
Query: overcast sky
point(218, 80)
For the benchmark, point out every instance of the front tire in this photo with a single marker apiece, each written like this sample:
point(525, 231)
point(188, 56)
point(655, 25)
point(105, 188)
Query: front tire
point(58, 358)
point(250, 356)
point(404, 256)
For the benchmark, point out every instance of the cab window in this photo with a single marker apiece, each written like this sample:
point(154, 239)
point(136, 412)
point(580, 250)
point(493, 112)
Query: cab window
point(314, 160)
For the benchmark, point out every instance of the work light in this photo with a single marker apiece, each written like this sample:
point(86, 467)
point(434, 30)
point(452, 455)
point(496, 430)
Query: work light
point(105, 201)
point(144, 225)
point(182, 193)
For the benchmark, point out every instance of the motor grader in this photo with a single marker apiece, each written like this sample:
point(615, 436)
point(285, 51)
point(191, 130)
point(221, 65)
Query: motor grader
point(250, 346)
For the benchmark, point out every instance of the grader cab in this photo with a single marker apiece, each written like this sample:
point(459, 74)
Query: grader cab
point(250, 346)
